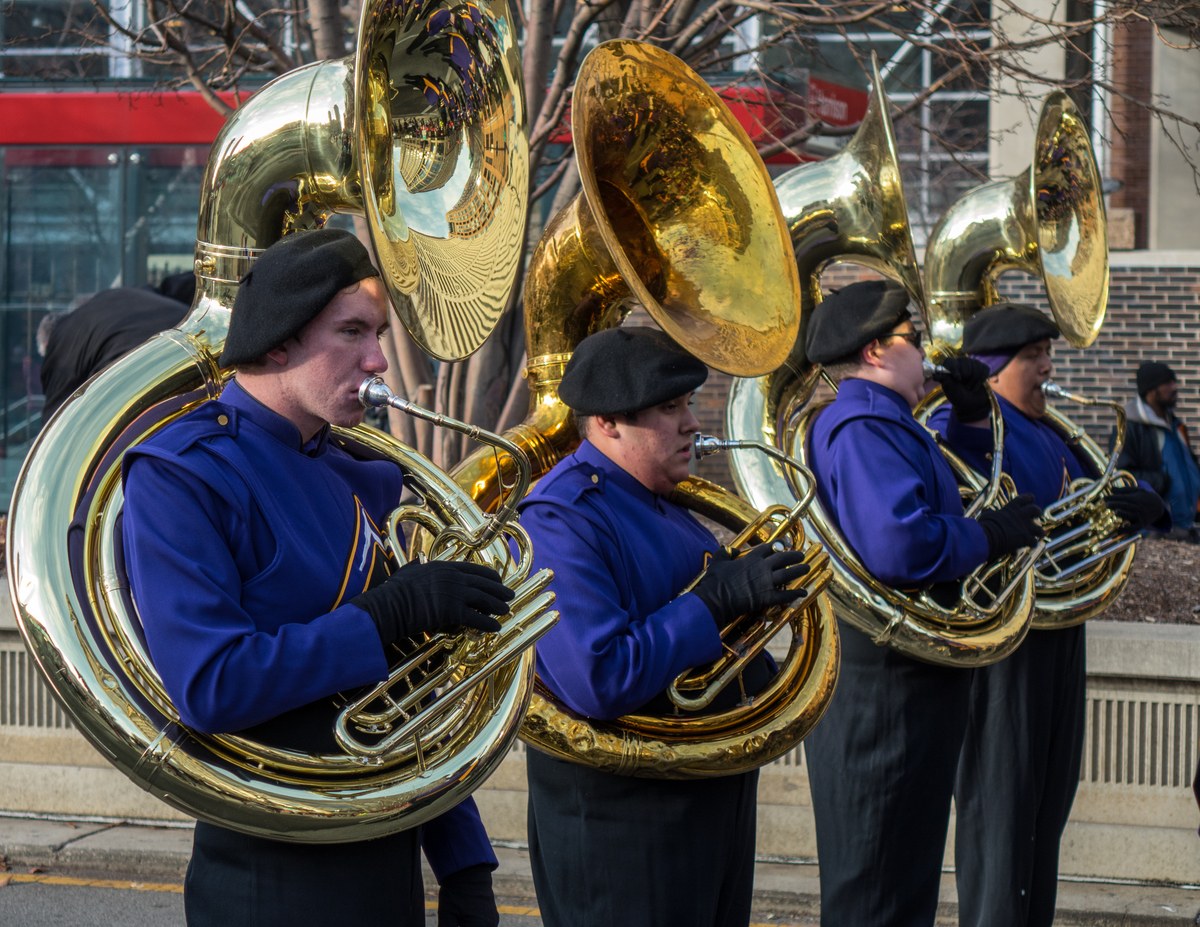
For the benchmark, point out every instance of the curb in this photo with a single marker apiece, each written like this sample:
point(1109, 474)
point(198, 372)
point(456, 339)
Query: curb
point(151, 862)
point(165, 852)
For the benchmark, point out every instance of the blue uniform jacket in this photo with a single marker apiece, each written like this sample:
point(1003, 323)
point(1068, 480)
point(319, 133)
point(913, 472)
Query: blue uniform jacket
point(242, 549)
point(620, 554)
point(888, 488)
point(1035, 454)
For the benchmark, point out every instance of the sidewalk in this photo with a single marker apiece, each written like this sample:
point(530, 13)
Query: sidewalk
point(781, 889)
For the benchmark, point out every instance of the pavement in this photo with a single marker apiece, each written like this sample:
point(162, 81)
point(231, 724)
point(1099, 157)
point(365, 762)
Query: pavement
point(78, 852)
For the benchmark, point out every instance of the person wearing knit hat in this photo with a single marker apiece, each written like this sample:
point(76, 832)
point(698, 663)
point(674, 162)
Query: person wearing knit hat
point(617, 849)
point(1020, 759)
point(254, 555)
point(882, 760)
point(1158, 448)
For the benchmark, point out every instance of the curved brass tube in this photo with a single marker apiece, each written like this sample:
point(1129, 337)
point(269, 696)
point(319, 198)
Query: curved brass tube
point(984, 627)
point(1088, 556)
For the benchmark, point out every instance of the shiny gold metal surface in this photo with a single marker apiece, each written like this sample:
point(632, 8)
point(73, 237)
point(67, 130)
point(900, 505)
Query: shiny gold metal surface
point(442, 140)
point(1048, 222)
point(286, 161)
point(1089, 552)
point(724, 743)
point(847, 208)
point(684, 206)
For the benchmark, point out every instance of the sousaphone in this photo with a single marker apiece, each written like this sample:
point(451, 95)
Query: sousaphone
point(1047, 222)
point(423, 131)
point(678, 215)
point(851, 208)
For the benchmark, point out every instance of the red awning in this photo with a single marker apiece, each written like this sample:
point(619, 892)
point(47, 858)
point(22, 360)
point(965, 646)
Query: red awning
point(156, 118)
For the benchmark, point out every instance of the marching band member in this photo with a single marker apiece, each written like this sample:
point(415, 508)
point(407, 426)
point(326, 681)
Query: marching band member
point(609, 849)
point(253, 554)
point(882, 762)
point(1020, 760)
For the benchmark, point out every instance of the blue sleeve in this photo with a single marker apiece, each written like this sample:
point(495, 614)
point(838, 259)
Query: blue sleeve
point(604, 658)
point(886, 512)
point(457, 840)
point(222, 673)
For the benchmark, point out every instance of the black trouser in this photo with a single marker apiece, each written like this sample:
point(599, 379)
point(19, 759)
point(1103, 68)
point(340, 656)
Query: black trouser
point(615, 851)
point(234, 880)
point(881, 767)
point(1017, 779)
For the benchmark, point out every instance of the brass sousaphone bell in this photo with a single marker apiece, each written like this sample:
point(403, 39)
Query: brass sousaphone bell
point(678, 215)
point(1047, 222)
point(851, 208)
point(423, 132)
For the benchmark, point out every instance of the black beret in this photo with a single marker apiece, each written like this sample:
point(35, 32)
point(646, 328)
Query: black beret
point(1152, 375)
point(627, 370)
point(288, 286)
point(854, 316)
point(1006, 327)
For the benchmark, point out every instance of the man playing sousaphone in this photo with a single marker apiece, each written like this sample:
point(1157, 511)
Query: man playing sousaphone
point(609, 849)
point(882, 762)
point(253, 553)
point(1021, 754)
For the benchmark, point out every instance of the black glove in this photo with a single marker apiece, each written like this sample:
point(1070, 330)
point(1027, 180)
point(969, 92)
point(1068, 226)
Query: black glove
point(1011, 527)
point(421, 597)
point(1140, 507)
point(750, 583)
point(965, 387)
point(466, 899)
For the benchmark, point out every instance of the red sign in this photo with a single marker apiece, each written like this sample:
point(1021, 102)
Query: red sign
point(834, 104)
point(109, 118)
point(771, 115)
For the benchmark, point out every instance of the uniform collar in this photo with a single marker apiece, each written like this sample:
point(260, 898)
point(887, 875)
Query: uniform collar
point(854, 388)
point(589, 454)
point(272, 422)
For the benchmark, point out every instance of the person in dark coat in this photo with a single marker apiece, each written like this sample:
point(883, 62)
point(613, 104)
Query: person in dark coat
point(605, 848)
point(1019, 767)
point(106, 327)
point(265, 589)
point(1158, 448)
point(882, 761)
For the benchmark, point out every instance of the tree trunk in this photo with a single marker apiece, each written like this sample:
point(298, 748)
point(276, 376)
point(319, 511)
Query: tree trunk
point(536, 53)
point(325, 17)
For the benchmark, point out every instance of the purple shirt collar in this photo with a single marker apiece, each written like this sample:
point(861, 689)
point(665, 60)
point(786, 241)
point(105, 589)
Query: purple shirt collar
point(272, 422)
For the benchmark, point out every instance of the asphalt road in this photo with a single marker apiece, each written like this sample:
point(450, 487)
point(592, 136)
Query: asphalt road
point(41, 904)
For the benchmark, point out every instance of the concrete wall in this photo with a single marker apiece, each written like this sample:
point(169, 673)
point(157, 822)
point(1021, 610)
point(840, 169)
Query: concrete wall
point(1134, 816)
point(1014, 106)
point(1174, 209)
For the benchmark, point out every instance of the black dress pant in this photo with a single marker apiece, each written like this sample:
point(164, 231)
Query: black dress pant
point(235, 880)
point(881, 767)
point(615, 851)
point(1017, 779)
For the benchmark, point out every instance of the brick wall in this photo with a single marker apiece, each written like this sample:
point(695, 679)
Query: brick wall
point(1129, 153)
point(1153, 314)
